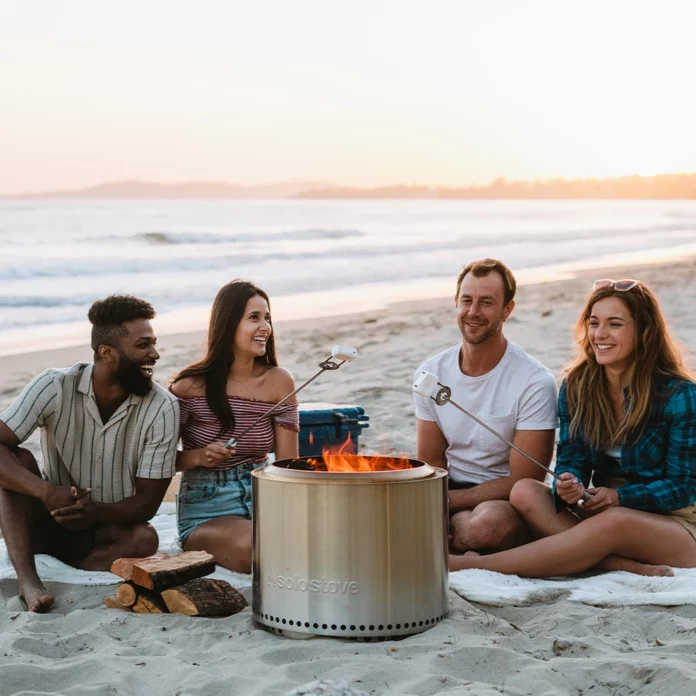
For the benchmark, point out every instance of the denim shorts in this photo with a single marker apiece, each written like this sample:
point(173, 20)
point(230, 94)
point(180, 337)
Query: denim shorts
point(205, 494)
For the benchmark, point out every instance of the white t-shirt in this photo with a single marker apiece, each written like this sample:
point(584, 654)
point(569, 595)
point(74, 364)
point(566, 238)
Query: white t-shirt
point(519, 393)
point(614, 453)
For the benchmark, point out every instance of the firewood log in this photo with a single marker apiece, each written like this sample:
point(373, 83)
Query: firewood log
point(113, 603)
point(176, 570)
point(126, 594)
point(204, 597)
point(149, 603)
point(123, 567)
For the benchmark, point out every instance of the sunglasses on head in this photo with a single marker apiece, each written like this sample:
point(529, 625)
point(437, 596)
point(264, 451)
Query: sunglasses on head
point(621, 285)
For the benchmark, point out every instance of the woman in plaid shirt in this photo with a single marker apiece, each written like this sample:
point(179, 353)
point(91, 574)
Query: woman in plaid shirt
point(627, 410)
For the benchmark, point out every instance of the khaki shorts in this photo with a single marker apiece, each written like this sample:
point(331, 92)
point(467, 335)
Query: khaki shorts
point(686, 516)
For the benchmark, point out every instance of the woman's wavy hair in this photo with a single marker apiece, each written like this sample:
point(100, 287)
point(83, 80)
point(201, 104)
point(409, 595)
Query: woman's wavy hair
point(656, 355)
point(228, 310)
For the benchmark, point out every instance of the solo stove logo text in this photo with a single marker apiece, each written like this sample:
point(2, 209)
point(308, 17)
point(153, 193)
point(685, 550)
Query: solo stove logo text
point(323, 585)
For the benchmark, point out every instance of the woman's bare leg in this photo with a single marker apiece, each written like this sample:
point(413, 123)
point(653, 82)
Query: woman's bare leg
point(227, 538)
point(639, 536)
point(534, 503)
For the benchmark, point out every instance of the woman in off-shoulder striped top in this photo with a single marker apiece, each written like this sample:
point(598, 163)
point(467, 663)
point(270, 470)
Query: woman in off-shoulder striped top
point(220, 396)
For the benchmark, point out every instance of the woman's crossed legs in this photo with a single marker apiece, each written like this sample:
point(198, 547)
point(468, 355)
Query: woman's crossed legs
point(616, 539)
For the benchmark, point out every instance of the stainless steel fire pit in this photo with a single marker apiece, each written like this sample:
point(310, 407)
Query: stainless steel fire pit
point(359, 554)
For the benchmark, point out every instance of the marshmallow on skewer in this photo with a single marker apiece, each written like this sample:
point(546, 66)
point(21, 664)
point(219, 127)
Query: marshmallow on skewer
point(344, 353)
point(426, 385)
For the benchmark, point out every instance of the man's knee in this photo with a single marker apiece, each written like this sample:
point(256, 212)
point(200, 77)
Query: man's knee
point(27, 460)
point(459, 526)
point(143, 540)
point(493, 525)
point(526, 495)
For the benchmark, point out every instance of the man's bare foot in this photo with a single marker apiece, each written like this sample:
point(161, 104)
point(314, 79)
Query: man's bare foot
point(36, 596)
point(625, 564)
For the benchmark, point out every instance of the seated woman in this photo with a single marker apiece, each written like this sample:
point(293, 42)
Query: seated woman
point(235, 383)
point(628, 421)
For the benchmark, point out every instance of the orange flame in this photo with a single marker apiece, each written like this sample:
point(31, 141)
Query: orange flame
point(311, 437)
point(343, 459)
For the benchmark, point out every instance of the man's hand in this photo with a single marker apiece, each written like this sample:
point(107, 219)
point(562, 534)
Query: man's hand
point(602, 499)
point(63, 496)
point(77, 516)
point(215, 453)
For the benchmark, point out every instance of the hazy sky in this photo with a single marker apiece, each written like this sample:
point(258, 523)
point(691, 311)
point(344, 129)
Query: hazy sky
point(358, 92)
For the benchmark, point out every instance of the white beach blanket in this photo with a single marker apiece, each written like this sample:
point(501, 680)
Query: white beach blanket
point(482, 586)
point(617, 589)
point(52, 570)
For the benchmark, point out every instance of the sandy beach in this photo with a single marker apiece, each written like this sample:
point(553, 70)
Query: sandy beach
point(554, 647)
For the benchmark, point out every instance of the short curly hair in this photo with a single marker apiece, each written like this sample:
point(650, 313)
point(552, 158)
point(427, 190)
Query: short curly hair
point(108, 316)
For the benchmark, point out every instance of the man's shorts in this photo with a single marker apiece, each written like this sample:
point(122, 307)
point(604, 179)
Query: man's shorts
point(459, 485)
point(66, 545)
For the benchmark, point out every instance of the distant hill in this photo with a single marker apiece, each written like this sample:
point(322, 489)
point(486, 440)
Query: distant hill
point(184, 190)
point(662, 186)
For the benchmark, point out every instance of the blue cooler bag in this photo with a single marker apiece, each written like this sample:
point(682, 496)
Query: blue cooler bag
point(329, 425)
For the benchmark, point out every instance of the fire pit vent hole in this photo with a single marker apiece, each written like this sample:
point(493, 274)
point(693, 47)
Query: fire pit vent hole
point(353, 628)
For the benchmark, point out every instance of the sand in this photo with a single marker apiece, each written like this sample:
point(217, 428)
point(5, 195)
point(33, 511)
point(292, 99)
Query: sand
point(557, 647)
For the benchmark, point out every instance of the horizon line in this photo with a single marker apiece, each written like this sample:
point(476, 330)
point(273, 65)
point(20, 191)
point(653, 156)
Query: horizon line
point(307, 188)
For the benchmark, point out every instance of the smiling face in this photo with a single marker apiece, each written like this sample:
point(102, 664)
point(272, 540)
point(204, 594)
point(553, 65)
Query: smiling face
point(254, 328)
point(137, 356)
point(611, 332)
point(481, 308)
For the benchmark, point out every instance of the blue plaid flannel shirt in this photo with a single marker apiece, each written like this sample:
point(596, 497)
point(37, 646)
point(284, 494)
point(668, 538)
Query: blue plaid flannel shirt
point(659, 469)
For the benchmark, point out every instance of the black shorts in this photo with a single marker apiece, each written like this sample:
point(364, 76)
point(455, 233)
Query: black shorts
point(459, 485)
point(69, 546)
point(51, 538)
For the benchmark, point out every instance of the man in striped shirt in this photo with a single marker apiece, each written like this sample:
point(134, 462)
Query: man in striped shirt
point(108, 439)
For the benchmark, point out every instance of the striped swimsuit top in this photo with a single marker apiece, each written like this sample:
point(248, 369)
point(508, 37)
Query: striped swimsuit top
point(200, 426)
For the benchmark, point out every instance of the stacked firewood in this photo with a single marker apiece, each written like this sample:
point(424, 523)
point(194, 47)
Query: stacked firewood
point(164, 584)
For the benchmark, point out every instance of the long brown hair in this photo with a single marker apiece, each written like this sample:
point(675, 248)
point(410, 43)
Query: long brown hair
point(655, 356)
point(215, 367)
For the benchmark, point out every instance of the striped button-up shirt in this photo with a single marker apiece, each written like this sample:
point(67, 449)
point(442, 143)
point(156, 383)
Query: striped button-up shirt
point(659, 468)
point(138, 441)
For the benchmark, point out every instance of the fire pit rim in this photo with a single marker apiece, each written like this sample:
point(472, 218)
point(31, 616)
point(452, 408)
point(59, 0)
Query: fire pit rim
point(280, 471)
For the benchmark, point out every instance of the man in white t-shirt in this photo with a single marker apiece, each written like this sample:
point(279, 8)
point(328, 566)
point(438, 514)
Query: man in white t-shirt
point(507, 389)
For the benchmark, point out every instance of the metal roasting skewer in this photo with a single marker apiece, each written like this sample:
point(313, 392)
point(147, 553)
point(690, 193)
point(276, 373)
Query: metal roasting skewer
point(426, 385)
point(337, 353)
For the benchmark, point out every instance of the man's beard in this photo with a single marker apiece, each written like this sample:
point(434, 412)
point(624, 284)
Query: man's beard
point(490, 331)
point(130, 376)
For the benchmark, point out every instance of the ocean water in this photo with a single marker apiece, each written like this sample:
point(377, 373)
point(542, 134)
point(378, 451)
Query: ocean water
point(312, 257)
